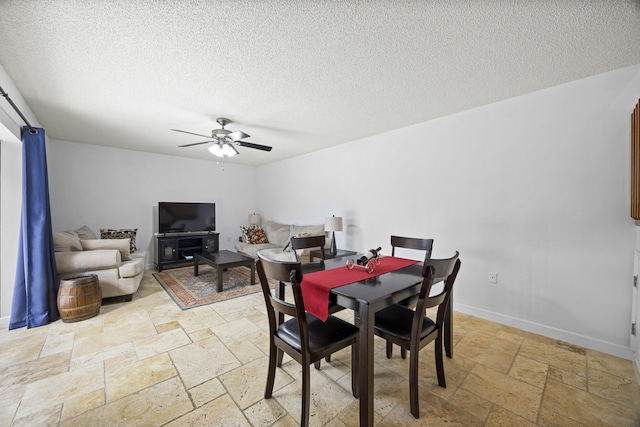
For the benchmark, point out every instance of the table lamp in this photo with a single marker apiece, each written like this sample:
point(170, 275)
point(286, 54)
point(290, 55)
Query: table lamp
point(254, 219)
point(333, 224)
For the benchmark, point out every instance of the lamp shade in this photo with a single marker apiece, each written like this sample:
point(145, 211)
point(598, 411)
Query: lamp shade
point(333, 223)
point(254, 219)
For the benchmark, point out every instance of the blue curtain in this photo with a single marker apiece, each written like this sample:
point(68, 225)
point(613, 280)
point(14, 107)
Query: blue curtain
point(35, 288)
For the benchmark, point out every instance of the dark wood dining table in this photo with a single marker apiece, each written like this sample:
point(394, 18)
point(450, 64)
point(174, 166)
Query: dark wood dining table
point(366, 297)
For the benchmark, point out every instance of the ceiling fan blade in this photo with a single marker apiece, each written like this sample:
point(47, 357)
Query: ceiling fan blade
point(191, 133)
point(196, 143)
point(237, 135)
point(256, 146)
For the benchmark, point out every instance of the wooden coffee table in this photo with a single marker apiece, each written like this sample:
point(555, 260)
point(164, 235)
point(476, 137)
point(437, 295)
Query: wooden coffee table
point(221, 261)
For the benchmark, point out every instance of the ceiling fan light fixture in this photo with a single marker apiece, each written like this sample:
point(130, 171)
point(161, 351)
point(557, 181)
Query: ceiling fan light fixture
point(229, 150)
point(216, 150)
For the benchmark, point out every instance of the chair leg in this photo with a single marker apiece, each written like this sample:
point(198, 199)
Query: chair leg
point(279, 357)
point(271, 374)
point(413, 383)
point(328, 359)
point(403, 352)
point(389, 349)
point(439, 362)
point(316, 364)
point(355, 385)
point(306, 395)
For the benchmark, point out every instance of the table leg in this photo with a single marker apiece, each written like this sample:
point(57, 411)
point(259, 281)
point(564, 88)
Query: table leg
point(219, 287)
point(365, 365)
point(253, 273)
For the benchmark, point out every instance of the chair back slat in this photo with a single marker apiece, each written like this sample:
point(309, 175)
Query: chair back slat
point(285, 272)
point(307, 242)
point(412, 243)
point(437, 268)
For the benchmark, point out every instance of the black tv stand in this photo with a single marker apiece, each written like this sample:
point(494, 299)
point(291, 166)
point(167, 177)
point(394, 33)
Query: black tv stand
point(178, 248)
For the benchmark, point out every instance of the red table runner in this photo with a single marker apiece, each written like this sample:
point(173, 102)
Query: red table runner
point(317, 286)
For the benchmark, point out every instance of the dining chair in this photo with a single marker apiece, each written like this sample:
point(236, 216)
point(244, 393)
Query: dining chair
point(306, 242)
point(414, 243)
point(413, 330)
point(304, 337)
point(310, 242)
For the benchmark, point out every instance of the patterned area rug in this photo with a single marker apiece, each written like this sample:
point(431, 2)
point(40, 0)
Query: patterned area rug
point(189, 291)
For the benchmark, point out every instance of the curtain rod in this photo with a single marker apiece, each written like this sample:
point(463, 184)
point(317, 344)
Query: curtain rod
point(15, 107)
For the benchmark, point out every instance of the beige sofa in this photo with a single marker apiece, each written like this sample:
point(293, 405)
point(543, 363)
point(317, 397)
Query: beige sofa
point(119, 270)
point(278, 236)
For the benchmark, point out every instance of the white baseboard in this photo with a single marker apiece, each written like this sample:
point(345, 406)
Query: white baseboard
point(4, 322)
point(547, 331)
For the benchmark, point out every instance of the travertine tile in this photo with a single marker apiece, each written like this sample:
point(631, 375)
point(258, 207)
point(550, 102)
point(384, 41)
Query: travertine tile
point(57, 389)
point(244, 350)
point(560, 356)
point(166, 327)
point(242, 383)
point(611, 364)
point(491, 351)
point(44, 417)
point(618, 389)
point(156, 344)
point(220, 412)
point(586, 408)
point(206, 392)
point(105, 353)
point(24, 373)
point(500, 417)
point(153, 406)
point(529, 371)
point(472, 403)
point(57, 343)
point(570, 378)
point(123, 380)
point(203, 360)
point(86, 402)
point(511, 394)
point(234, 330)
point(327, 398)
point(265, 412)
point(21, 347)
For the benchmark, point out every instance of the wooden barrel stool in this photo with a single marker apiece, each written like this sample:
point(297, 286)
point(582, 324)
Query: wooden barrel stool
point(79, 298)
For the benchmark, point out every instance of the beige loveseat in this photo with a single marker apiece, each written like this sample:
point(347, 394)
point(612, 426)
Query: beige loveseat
point(278, 236)
point(119, 270)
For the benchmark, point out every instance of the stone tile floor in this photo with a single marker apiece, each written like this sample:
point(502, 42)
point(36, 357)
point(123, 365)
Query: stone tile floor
point(147, 363)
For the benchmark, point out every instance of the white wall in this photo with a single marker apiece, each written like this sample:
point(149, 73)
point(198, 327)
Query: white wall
point(113, 188)
point(535, 188)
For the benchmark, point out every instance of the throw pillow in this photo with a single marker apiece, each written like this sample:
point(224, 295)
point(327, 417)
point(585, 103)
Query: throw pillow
point(122, 245)
point(66, 241)
point(85, 232)
point(253, 235)
point(122, 233)
point(245, 230)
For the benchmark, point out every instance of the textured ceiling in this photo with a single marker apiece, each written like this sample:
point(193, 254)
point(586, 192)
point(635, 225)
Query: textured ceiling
point(297, 75)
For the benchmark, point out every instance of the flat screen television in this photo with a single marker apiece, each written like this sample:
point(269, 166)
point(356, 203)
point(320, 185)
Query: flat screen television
point(176, 217)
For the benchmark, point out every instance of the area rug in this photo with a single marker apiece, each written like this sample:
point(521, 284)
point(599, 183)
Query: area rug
point(189, 291)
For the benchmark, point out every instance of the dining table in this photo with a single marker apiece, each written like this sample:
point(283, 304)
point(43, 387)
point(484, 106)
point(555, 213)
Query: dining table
point(366, 297)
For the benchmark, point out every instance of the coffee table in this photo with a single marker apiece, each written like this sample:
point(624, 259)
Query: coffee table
point(222, 260)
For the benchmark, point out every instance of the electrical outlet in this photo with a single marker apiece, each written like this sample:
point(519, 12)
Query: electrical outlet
point(493, 277)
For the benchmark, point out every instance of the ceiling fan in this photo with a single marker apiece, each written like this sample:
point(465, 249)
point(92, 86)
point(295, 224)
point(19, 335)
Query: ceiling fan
point(222, 141)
